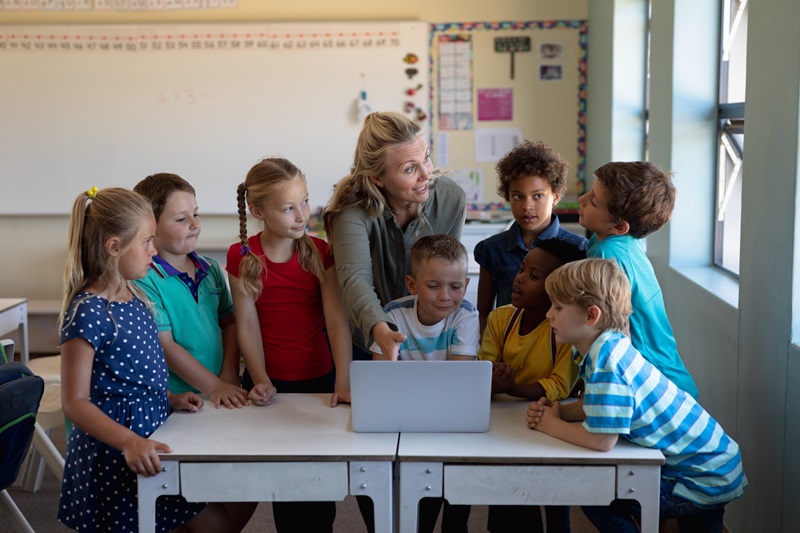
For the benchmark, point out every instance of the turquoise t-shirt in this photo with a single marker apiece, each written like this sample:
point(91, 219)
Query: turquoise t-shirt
point(194, 324)
point(651, 332)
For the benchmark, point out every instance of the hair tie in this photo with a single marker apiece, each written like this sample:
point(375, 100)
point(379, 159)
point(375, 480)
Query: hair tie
point(245, 249)
point(92, 193)
point(243, 185)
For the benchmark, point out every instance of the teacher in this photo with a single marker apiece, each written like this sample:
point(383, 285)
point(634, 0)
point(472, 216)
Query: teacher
point(392, 197)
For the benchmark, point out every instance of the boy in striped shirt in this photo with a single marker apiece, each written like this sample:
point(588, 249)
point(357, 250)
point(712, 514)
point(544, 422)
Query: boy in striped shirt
point(627, 396)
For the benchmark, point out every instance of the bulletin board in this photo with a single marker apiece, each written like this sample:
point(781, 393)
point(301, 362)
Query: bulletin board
point(108, 105)
point(494, 84)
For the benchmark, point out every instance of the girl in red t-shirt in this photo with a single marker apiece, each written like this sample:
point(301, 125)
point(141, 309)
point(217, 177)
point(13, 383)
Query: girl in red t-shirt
point(285, 292)
point(290, 316)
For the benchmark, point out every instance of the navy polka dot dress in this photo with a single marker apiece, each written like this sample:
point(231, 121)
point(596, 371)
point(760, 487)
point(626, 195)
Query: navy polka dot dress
point(129, 384)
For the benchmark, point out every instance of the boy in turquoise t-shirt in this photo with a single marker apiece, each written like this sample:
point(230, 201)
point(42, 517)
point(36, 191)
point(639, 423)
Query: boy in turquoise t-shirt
point(627, 202)
point(191, 300)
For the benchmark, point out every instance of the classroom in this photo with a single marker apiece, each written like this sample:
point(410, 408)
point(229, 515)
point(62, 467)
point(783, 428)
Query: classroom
point(739, 335)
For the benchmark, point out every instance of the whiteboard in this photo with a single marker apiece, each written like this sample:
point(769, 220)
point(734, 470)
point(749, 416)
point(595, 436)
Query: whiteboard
point(108, 105)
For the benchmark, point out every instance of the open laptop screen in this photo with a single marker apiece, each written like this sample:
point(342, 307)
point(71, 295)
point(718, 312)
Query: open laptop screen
point(421, 396)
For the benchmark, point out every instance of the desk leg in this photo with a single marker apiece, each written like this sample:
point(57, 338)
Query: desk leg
point(417, 481)
point(643, 484)
point(150, 488)
point(374, 480)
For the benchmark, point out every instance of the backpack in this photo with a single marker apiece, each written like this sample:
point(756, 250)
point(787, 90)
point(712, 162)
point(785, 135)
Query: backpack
point(20, 394)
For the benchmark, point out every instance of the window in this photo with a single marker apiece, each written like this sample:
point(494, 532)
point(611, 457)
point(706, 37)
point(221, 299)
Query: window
point(733, 69)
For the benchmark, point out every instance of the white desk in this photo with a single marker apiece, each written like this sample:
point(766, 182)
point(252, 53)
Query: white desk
point(513, 465)
point(297, 449)
point(14, 316)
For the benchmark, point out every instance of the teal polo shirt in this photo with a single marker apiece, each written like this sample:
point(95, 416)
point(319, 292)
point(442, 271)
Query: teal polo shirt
point(194, 323)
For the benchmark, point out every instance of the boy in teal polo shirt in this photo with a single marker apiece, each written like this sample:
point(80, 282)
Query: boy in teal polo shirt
point(190, 297)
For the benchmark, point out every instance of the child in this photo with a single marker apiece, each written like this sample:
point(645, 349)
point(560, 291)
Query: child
point(436, 320)
point(190, 297)
point(515, 332)
point(438, 325)
point(113, 373)
point(625, 395)
point(286, 298)
point(627, 202)
point(529, 364)
point(532, 177)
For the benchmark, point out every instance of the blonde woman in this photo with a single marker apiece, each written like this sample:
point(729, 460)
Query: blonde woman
point(391, 197)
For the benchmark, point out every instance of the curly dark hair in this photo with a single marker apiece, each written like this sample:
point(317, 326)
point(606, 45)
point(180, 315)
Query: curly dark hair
point(639, 193)
point(532, 159)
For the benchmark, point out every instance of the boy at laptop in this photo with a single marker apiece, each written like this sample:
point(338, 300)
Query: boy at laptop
point(439, 325)
point(528, 363)
point(628, 397)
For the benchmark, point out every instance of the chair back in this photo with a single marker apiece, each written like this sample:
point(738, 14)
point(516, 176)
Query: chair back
point(20, 394)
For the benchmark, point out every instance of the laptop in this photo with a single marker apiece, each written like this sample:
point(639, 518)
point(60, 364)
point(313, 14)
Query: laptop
point(420, 396)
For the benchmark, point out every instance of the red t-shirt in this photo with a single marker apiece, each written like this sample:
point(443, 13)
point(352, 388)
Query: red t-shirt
point(290, 313)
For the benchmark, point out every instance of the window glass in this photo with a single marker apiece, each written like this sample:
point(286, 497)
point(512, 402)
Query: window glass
point(733, 69)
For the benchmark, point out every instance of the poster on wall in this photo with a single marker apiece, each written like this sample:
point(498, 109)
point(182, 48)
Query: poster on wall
point(493, 143)
point(551, 51)
point(471, 180)
point(550, 56)
point(550, 73)
point(455, 82)
point(496, 104)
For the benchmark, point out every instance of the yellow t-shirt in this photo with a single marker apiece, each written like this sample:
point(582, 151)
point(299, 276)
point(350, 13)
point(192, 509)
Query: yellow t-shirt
point(529, 355)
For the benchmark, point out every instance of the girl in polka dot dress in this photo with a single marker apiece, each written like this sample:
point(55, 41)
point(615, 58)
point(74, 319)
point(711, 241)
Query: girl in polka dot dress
point(113, 373)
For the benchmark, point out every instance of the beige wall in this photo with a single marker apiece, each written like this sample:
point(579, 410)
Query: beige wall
point(38, 244)
point(281, 10)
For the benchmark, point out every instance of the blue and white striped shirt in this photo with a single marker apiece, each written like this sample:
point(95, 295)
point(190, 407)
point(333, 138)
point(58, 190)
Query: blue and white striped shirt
point(627, 395)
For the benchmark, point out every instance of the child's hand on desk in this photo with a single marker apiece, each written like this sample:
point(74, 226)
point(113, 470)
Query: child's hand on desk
point(141, 455)
point(186, 401)
point(340, 395)
point(502, 377)
point(541, 413)
point(229, 395)
point(262, 393)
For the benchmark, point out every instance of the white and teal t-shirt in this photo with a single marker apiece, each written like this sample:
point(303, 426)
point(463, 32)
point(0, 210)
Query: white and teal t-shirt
point(455, 335)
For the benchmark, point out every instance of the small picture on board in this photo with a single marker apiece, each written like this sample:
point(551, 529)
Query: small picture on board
point(550, 73)
point(551, 50)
